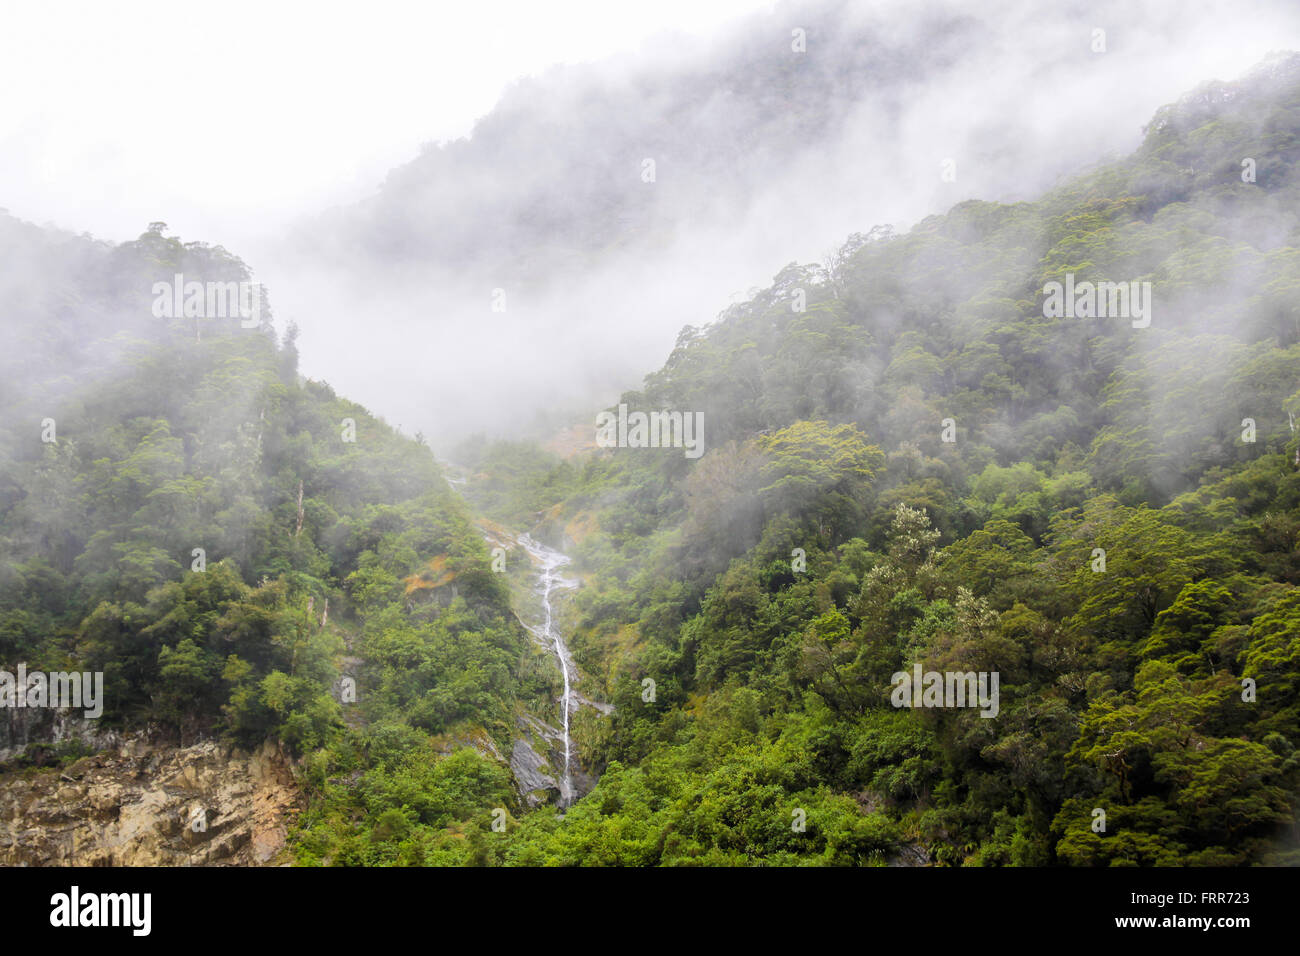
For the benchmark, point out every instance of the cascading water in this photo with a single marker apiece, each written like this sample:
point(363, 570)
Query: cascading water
point(550, 561)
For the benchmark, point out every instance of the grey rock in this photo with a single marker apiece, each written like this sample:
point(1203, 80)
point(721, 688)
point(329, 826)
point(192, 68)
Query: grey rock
point(528, 767)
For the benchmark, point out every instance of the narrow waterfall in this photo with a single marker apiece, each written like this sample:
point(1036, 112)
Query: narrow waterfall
point(550, 581)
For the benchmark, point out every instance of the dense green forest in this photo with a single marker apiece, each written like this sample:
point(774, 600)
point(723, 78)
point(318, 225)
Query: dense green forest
point(227, 542)
point(831, 537)
point(1112, 528)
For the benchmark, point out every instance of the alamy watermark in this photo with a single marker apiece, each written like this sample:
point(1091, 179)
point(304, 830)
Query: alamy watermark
point(75, 908)
point(208, 300)
point(58, 689)
point(1098, 300)
point(947, 689)
point(651, 430)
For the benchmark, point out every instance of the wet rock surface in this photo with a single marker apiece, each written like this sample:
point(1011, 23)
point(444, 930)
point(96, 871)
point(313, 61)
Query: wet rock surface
point(536, 786)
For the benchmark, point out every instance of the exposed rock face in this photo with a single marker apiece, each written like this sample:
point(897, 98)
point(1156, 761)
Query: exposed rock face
point(535, 784)
point(20, 727)
point(537, 761)
point(909, 854)
point(146, 805)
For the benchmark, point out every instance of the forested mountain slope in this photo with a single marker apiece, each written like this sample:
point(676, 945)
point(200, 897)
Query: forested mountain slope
point(229, 543)
point(924, 467)
point(910, 460)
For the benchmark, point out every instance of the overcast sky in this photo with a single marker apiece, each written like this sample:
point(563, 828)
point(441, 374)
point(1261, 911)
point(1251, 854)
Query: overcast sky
point(212, 115)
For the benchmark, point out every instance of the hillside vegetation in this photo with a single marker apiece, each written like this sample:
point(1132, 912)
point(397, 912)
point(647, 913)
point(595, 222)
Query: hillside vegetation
point(1106, 531)
point(909, 464)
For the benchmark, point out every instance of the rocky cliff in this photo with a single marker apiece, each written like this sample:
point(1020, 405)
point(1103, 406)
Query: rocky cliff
point(143, 804)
